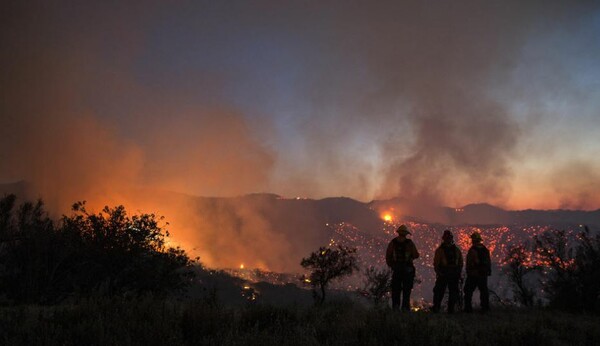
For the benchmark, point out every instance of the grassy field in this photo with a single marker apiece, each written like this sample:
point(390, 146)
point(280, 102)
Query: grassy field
point(152, 322)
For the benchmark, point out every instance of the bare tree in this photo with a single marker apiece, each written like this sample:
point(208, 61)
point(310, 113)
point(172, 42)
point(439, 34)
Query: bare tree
point(518, 266)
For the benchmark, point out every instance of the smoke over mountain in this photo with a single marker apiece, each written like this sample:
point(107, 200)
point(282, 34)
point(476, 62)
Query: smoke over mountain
point(442, 104)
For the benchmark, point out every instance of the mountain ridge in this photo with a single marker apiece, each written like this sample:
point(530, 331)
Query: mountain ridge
point(337, 208)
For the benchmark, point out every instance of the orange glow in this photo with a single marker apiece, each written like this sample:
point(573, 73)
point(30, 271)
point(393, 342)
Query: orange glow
point(242, 266)
point(387, 217)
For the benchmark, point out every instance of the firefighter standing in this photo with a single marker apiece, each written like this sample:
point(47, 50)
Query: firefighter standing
point(399, 256)
point(447, 263)
point(479, 267)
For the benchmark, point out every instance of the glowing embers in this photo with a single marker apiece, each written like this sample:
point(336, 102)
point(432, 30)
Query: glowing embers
point(250, 293)
point(372, 243)
point(387, 218)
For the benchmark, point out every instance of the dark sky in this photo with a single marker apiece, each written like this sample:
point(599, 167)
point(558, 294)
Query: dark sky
point(447, 102)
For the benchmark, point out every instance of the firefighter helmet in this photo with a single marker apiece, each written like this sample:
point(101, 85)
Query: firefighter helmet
point(476, 236)
point(403, 230)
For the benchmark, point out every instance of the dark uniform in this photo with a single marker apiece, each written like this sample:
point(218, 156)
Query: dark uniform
point(399, 257)
point(479, 267)
point(448, 263)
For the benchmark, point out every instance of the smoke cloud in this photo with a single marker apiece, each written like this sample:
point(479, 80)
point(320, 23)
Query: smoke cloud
point(442, 104)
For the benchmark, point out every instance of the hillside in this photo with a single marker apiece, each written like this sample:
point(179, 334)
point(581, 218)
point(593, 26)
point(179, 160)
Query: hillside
point(274, 233)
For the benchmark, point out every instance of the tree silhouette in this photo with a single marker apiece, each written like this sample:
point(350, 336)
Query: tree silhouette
point(327, 264)
point(587, 261)
point(30, 251)
point(519, 265)
point(127, 253)
point(557, 267)
point(377, 285)
point(108, 253)
point(571, 268)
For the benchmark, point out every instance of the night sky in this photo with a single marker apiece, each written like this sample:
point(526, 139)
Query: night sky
point(442, 102)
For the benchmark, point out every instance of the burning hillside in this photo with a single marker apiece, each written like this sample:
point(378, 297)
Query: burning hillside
point(269, 234)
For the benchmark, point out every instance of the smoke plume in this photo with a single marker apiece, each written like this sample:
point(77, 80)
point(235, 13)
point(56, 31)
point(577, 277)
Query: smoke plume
point(442, 104)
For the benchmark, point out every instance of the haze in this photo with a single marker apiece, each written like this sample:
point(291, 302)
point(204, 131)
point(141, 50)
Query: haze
point(439, 102)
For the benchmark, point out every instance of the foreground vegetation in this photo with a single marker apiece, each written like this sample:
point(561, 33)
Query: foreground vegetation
point(149, 321)
point(108, 253)
point(109, 278)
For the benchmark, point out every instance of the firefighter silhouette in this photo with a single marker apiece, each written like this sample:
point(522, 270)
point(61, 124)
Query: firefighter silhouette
point(447, 263)
point(399, 256)
point(479, 267)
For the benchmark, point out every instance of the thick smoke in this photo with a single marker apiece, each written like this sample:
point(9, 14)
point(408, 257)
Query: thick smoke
point(78, 124)
point(436, 103)
point(439, 72)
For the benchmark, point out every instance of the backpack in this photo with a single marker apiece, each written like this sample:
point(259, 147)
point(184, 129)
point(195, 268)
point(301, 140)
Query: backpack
point(485, 263)
point(451, 254)
point(401, 255)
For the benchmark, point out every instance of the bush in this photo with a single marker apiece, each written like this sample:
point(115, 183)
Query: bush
point(519, 267)
point(571, 268)
point(377, 285)
point(109, 253)
point(33, 253)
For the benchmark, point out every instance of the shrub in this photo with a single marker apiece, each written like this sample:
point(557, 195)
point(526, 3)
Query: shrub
point(571, 268)
point(518, 267)
point(109, 253)
point(377, 285)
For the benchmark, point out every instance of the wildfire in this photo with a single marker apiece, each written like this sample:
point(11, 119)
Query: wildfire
point(371, 252)
point(249, 293)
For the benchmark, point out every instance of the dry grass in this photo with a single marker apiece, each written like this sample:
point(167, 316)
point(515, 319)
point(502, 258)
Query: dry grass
point(157, 322)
